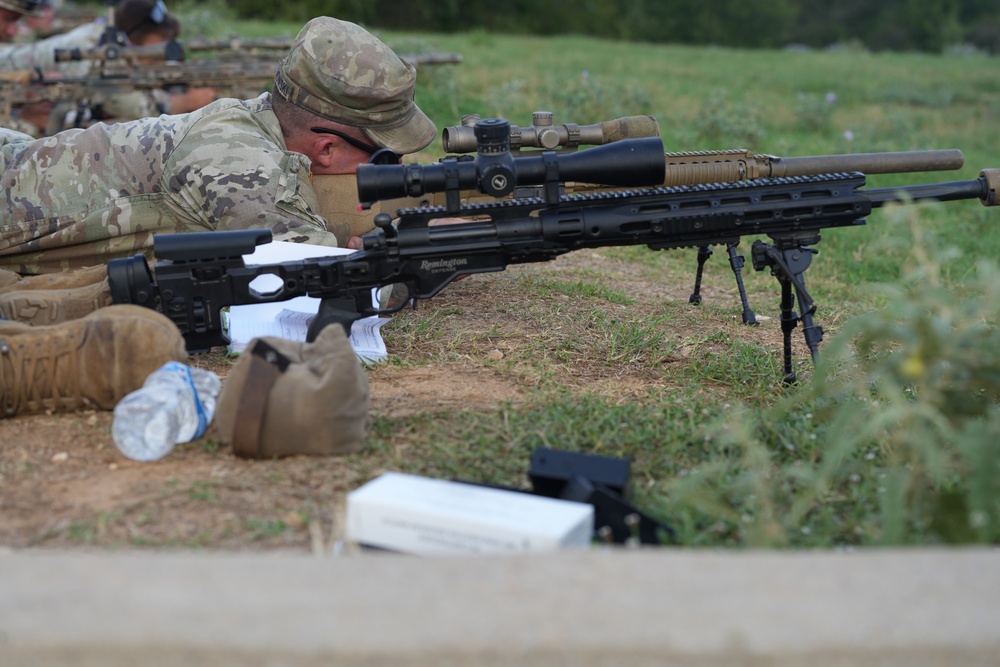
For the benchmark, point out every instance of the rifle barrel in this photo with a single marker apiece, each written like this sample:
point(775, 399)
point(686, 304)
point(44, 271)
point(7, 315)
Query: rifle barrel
point(870, 163)
point(728, 166)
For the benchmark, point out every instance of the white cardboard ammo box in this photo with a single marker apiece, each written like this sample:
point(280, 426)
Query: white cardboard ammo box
point(424, 516)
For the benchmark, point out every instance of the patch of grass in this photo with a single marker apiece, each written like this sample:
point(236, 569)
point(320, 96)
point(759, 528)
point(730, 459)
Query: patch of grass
point(724, 123)
point(210, 445)
point(262, 529)
point(738, 364)
point(427, 327)
point(631, 341)
point(544, 286)
point(815, 112)
point(496, 445)
point(203, 492)
point(908, 94)
point(84, 533)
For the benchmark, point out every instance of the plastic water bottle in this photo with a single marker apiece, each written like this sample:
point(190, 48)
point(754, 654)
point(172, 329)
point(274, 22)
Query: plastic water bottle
point(175, 404)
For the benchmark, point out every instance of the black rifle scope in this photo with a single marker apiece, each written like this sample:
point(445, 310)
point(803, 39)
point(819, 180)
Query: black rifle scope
point(496, 172)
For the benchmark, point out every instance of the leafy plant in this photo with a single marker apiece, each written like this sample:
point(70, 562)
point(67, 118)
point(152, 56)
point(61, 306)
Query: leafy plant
point(897, 438)
point(723, 122)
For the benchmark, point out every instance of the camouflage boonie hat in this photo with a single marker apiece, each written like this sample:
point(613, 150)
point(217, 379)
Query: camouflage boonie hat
point(29, 7)
point(340, 71)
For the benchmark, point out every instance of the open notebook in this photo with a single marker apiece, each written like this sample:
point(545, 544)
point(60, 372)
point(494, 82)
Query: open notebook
point(290, 319)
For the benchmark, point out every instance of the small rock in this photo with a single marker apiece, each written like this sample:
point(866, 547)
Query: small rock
point(495, 355)
point(61, 457)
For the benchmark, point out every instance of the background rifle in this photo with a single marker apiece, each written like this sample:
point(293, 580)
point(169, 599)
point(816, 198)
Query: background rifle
point(199, 274)
point(235, 68)
point(231, 78)
point(691, 168)
point(279, 46)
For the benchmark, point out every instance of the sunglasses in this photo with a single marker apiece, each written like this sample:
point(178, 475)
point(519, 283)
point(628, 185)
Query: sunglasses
point(360, 145)
point(378, 155)
point(158, 13)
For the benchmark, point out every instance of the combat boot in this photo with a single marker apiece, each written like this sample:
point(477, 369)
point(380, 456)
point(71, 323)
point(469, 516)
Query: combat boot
point(41, 307)
point(11, 282)
point(8, 278)
point(91, 362)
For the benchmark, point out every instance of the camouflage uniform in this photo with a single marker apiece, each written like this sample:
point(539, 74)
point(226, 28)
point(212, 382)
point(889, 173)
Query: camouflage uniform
point(11, 134)
point(85, 196)
point(338, 70)
point(19, 126)
point(82, 197)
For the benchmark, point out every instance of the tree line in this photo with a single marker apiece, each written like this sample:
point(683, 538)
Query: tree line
point(887, 25)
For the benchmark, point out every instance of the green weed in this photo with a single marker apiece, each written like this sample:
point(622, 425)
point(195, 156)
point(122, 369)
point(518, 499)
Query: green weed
point(896, 440)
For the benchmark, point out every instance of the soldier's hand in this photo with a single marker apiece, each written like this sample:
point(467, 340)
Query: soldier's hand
point(191, 99)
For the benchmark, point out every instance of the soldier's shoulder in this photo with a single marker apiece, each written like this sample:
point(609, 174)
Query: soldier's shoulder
point(230, 117)
point(87, 35)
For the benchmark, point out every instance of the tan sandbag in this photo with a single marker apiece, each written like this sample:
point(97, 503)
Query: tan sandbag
point(338, 203)
point(283, 398)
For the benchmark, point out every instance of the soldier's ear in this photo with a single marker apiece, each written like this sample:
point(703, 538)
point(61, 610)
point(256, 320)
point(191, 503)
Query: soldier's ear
point(324, 150)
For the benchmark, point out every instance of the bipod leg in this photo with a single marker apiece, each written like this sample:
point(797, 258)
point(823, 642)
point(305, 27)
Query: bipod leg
point(789, 263)
point(736, 262)
point(704, 252)
point(342, 311)
point(789, 320)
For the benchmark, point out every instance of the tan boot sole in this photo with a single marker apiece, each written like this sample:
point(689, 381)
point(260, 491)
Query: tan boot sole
point(91, 362)
point(42, 307)
point(52, 281)
point(8, 278)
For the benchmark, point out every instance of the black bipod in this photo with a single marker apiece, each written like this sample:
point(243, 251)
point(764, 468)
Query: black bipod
point(788, 260)
point(736, 263)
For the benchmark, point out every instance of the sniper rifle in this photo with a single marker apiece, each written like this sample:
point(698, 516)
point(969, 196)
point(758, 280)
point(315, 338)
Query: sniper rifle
point(198, 274)
point(691, 167)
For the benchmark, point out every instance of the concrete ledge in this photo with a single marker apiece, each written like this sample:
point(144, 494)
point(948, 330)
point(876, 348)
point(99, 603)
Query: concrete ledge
point(636, 608)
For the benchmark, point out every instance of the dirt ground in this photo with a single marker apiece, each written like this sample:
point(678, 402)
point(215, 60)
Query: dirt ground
point(63, 484)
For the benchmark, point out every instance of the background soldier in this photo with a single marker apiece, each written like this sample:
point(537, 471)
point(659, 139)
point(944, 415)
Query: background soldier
point(11, 13)
point(142, 23)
